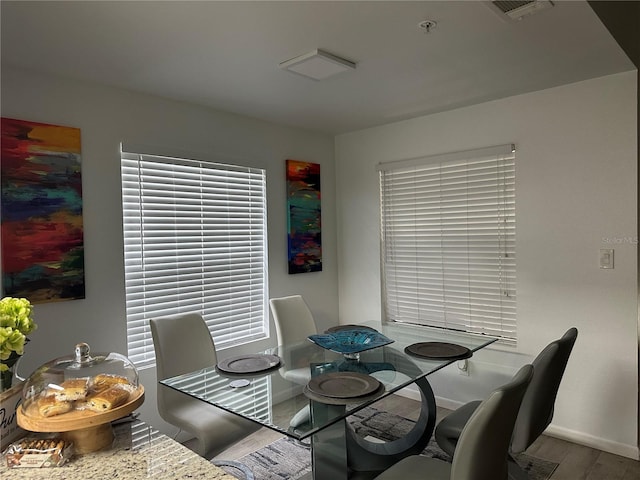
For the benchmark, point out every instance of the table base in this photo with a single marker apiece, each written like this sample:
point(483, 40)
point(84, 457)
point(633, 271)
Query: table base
point(338, 453)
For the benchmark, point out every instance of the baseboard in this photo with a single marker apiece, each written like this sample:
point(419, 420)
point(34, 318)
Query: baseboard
point(622, 449)
point(447, 403)
point(414, 394)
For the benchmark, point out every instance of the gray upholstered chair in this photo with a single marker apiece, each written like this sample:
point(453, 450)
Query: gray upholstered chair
point(183, 344)
point(294, 323)
point(483, 445)
point(536, 411)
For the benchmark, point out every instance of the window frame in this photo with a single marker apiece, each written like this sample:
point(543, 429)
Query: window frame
point(440, 183)
point(252, 322)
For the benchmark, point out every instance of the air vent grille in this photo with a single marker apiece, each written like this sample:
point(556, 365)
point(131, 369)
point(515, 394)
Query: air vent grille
point(515, 10)
point(507, 7)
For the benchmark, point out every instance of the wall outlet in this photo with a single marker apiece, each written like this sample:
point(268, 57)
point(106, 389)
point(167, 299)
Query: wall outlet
point(463, 367)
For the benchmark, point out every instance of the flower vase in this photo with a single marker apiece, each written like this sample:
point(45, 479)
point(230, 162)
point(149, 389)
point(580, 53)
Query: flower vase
point(6, 376)
point(6, 379)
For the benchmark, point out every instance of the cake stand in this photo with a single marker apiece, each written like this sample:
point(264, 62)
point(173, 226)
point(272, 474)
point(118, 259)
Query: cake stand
point(89, 431)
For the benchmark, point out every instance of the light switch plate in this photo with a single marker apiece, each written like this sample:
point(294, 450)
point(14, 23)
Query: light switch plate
point(606, 258)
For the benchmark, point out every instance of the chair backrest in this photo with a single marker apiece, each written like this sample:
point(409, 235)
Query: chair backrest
point(483, 447)
point(293, 319)
point(536, 411)
point(182, 344)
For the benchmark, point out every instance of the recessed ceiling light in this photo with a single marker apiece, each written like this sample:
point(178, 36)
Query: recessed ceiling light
point(317, 65)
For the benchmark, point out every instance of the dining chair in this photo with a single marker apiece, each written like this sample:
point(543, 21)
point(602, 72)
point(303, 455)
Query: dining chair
point(483, 445)
point(294, 323)
point(536, 411)
point(183, 344)
point(293, 319)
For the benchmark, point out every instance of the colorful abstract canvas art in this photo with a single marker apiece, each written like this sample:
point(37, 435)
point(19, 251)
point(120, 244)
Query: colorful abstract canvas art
point(42, 228)
point(304, 217)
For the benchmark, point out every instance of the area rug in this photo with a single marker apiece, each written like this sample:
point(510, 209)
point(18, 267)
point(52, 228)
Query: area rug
point(288, 459)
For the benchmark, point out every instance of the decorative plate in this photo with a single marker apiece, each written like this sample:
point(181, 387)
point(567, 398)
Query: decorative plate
point(339, 328)
point(438, 350)
point(351, 341)
point(343, 385)
point(342, 401)
point(251, 363)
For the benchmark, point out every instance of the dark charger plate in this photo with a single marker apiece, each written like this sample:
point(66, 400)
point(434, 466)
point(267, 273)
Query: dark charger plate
point(340, 328)
point(248, 364)
point(438, 351)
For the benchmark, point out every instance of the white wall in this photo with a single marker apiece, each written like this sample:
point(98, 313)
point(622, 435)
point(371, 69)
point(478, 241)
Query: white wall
point(576, 187)
point(107, 117)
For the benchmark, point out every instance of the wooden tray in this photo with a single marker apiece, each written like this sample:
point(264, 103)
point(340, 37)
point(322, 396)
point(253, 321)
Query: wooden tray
point(90, 431)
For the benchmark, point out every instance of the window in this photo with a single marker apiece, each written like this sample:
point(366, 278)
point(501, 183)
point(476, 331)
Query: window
point(448, 241)
point(194, 240)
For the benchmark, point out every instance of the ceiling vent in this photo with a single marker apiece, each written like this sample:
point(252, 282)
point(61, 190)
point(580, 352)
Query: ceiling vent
point(516, 10)
point(318, 65)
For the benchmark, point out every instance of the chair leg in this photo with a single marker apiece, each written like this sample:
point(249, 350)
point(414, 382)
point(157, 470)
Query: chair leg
point(303, 416)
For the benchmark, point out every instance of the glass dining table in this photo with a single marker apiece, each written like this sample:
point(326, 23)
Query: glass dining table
point(281, 397)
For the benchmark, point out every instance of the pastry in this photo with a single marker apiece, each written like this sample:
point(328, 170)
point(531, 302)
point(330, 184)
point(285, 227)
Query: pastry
point(103, 381)
point(73, 389)
point(107, 399)
point(49, 406)
point(38, 452)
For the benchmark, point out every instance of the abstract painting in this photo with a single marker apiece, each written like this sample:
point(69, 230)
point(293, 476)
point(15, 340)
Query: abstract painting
point(304, 220)
point(42, 229)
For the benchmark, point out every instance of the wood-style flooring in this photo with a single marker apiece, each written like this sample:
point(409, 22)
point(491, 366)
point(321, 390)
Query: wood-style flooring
point(576, 462)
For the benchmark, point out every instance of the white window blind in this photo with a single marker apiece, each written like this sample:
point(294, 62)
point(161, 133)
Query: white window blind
point(194, 240)
point(448, 241)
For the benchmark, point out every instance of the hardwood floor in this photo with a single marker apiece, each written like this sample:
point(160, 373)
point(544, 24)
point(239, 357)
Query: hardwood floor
point(576, 462)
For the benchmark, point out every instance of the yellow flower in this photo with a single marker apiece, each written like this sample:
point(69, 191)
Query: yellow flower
point(11, 340)
point(16, 313)
point(15, 324)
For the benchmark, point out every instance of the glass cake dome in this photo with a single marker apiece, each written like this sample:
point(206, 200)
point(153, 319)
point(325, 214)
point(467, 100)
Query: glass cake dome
point(79, 382)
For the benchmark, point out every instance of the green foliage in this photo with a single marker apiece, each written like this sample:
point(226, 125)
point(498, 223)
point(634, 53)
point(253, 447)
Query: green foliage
point(16, 323)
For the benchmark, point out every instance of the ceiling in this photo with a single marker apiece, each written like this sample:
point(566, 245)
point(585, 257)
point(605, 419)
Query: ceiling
point(226, 54)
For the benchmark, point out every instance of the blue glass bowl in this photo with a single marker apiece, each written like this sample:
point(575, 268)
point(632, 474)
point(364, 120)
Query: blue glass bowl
point(351, 341)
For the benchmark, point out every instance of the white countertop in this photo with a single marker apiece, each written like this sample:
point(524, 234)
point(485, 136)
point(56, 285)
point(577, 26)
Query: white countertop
point(138, 452)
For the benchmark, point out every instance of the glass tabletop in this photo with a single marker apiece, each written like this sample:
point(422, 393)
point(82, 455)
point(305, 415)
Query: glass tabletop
point(274, 395)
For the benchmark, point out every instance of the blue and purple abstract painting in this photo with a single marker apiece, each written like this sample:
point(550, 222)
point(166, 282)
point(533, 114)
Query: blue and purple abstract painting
point(304, 218)
point(42, 228)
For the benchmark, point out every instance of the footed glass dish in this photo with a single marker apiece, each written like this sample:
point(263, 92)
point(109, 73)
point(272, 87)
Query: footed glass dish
point(351, 342)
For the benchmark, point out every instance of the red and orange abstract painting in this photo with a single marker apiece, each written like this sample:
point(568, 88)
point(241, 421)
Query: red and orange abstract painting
point(42, 229)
